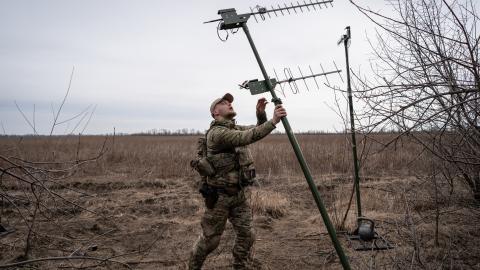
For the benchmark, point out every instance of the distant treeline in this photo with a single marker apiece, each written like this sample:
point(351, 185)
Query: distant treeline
point(190, 132)
point(168, 132)
point(193, 132)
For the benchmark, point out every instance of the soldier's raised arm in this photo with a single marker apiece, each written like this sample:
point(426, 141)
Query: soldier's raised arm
point(229, 138)
point(260, 112)
point(261, 118)
point(234, 138)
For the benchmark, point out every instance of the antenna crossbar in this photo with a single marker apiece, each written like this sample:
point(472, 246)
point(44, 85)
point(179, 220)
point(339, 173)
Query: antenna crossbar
point(309, 76)
point(260, 86)
point(232, 20)
point(264, 10)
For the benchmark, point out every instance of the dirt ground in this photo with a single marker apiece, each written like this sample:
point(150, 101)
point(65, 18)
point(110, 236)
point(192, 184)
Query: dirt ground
point(152, 224)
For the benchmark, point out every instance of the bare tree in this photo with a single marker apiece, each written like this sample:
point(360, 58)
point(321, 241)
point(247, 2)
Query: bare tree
point(426, 81)
point(37, 181)
point(32, 190)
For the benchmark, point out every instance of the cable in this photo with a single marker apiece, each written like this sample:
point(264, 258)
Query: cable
point(218, 32)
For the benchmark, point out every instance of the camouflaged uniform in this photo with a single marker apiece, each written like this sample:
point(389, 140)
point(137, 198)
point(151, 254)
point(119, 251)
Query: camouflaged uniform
point(225, 136)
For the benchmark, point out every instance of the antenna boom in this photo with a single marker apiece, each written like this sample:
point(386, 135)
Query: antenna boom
point(231, 19)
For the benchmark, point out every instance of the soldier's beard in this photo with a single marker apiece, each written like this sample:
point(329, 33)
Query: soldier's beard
point(230, 115)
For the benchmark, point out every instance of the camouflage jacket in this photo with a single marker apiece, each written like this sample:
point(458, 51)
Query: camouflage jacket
point(225, 138)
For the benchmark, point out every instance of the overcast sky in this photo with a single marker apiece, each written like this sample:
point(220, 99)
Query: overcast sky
point(154, 65)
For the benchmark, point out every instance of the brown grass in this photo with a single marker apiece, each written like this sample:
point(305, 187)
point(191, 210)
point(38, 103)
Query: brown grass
point(169, 156)
point(269, 203)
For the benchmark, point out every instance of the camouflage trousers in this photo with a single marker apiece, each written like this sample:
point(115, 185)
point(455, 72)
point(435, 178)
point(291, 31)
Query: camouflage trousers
point(237, 210)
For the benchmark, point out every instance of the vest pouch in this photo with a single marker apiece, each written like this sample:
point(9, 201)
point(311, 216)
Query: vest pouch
point(203, 167)
point(223, 162)
point(245, 157)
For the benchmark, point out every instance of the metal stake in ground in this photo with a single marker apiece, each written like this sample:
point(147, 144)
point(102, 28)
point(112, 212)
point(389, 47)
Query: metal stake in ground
point(231, 20)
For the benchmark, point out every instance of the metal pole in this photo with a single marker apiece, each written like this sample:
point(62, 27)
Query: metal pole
point(301, 159)
point(352, 126)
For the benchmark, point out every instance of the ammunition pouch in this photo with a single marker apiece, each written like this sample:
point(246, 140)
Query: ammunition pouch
point(201, 163)
point(203, 167)
point(209, 194)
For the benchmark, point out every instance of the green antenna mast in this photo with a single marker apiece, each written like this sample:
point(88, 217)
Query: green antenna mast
point(231, 20)
point(345, 39)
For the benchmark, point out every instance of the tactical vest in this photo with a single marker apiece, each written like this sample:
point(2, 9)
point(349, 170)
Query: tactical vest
point(231, 167)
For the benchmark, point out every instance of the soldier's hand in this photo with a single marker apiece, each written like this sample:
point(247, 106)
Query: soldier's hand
point(261, 104)
point(278, 113)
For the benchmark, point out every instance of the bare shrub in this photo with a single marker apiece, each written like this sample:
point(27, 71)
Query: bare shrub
point(426, 82)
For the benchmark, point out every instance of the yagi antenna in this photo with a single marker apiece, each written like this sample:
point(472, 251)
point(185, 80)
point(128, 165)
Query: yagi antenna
point(263, 12)
point(289, 79)
point(232, 21)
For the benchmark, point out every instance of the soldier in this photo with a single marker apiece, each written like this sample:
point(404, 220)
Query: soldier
point(233, 165)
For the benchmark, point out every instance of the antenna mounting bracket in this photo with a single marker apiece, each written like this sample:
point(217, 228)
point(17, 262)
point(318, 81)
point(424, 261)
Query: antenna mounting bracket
point(258, 87)
point(231, 19)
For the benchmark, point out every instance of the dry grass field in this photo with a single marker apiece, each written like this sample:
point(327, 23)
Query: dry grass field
point(139, 206)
